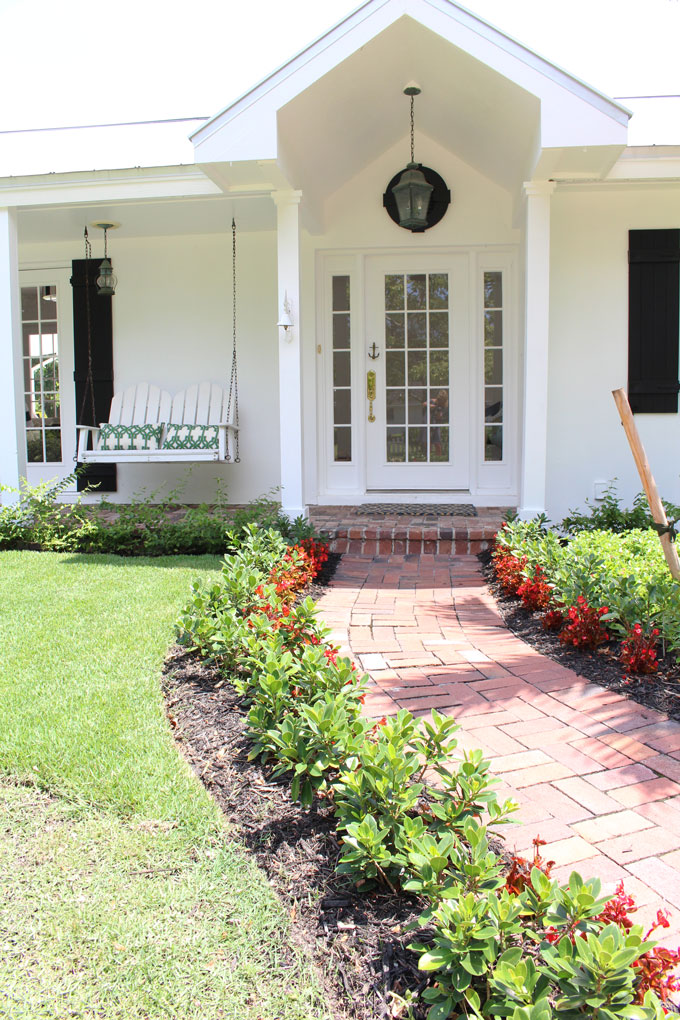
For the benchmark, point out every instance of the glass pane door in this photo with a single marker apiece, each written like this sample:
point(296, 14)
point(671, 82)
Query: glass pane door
point(417, 367)
point(48, 392)
point(41, 374)
point(417, 315)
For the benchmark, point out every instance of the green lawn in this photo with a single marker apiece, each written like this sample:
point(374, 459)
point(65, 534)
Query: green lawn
point(120, 896)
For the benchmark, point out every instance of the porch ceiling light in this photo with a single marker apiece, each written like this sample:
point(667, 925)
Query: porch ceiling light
point(416, 198)
point(106, 281)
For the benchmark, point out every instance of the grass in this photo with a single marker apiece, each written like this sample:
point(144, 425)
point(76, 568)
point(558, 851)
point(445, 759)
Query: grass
point(120, 896)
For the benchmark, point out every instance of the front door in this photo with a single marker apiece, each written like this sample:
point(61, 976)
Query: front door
point(417, 346)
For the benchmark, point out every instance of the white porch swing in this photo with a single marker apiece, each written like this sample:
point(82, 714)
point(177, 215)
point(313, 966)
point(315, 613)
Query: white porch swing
point(148, 425)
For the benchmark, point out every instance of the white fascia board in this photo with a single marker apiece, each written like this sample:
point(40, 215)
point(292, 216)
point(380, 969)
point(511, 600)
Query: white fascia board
point(105, 186)
point(251, 120)
point(647, 163)
point(534, 61)
point(248, 126)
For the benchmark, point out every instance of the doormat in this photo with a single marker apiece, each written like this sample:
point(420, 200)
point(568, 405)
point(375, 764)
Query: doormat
point(416, 510)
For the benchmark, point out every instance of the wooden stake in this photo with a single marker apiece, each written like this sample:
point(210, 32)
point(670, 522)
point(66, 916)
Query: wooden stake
point(649, 485)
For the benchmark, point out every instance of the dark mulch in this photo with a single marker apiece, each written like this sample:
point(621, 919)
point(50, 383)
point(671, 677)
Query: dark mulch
point(660, 690)
point(357, 941)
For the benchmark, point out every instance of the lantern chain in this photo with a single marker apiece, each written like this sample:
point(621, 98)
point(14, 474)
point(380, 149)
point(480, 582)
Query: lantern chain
point(233, 382)
point(412, 130)
point(89, 384)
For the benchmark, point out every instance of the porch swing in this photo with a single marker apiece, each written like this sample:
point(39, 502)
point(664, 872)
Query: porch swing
point(148, 425)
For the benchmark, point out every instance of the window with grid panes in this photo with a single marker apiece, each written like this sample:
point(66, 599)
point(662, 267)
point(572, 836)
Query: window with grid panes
point(493, 366)
point(341, 370)
point(41, 373)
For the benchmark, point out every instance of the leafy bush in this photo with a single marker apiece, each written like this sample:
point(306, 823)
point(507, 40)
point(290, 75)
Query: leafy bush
point(265, 512)
point(142, 527)
point(499, 941)
point(37, 520)
point(608, 514)
point(622, 577)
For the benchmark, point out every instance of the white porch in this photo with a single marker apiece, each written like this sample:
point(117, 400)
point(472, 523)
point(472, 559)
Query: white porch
point(301, 163)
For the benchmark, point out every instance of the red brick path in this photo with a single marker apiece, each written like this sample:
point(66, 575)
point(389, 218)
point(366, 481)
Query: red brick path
point(595, 774)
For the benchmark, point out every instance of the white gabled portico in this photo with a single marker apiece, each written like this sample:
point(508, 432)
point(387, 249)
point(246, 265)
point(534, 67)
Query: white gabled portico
point(418, 367)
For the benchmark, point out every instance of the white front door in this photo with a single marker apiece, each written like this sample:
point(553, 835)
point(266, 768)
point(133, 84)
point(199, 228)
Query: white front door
point(417, 340)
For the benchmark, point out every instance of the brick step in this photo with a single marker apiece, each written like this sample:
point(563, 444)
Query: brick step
point(374, 539)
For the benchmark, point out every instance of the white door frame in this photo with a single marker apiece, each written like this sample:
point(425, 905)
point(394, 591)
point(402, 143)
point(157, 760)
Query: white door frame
point(61, 279)
point(490, 484)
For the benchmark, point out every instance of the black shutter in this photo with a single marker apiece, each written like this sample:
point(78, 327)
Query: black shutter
point(85, 273)
point(653, 320)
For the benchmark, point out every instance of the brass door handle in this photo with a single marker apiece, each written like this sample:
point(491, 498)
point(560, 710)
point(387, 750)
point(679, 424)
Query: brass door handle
point(370, 393)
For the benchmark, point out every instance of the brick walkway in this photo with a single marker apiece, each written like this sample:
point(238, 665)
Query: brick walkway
point(596, 775)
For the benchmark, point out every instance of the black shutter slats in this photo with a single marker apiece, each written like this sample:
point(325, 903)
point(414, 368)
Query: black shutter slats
point(653, 320)
point(85, 274)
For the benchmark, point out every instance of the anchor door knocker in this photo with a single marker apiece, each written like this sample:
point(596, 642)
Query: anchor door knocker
point(373, 352)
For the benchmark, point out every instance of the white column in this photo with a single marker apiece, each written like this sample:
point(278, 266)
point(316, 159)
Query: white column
point(12, 417)
point(536, 337)
point(290, 364)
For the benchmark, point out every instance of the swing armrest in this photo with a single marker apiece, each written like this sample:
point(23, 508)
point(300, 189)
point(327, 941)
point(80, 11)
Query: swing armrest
point(222, 439)
point(82, 438)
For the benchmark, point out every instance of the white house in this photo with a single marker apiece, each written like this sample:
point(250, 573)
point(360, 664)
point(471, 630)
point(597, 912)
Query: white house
point(496, 334)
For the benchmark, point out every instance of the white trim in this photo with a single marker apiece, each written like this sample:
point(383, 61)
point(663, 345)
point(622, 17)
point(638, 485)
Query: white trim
point(290, 347)
point(13, 446)
point(536, 346)
point(490, 484)
point(41, 277)
point(385, 12)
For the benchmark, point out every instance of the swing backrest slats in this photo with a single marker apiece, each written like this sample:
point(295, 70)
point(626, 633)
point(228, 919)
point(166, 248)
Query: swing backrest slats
point(146, 404)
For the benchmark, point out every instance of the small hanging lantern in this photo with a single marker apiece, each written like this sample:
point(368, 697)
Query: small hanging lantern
point(106, 281)
point(417, 198)
point(412, 194)
point(286, 320)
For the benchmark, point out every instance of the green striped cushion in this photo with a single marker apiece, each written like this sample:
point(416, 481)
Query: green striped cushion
point(130, 437)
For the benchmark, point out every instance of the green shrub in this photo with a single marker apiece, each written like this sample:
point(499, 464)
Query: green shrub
point(494, 947)
point(608, 514)
point(37, 520)
point(623, 571)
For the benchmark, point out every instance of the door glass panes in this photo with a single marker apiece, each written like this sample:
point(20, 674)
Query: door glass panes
point(493, 366)
point(41, 374)
point(341, 370)
point(417, 367)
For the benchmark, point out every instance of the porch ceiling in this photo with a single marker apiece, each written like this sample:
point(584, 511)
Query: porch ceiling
point(357, 111)
point(158, 218)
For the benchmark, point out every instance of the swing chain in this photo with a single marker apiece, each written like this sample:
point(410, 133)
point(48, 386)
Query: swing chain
point(233, 382)
point(89, 382)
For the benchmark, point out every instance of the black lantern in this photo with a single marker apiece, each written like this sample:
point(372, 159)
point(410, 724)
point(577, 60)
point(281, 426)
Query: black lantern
point(412, 194)
point(106, 281)
point(418, 197)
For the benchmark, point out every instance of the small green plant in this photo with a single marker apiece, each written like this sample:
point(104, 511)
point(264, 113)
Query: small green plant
point(38, 520)
point(608, 514)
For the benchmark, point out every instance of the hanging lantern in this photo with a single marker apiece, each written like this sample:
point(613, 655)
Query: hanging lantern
point(412, 194)
point(417, 198)
point(106, 281)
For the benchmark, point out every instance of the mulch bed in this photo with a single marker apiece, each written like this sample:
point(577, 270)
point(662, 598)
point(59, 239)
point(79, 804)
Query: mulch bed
point(358, 941)
point(660, 690)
